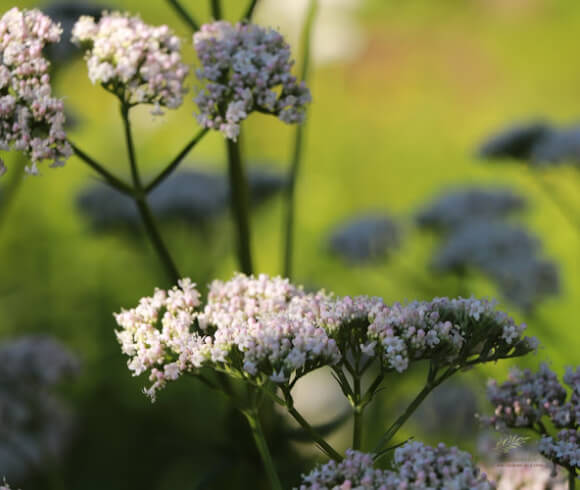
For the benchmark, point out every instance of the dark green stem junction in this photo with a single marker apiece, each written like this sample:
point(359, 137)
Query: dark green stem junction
point(240, 205)
point(109, 178)
point(142, 205)
point(297, 150)
point(358, 409)
point(571, 478)
point(184, 14)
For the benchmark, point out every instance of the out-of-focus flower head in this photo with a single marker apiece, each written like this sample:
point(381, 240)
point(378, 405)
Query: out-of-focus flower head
point(416, 466)
point(245, 68)
point(139, 63)
point(505, 253)
point(36, 428)
point(365, 238)
point(564, 449)
point(535, 474)
point(460, 207)
point(516, 142)
point(31, 120)
point(536, 143)
point(196, 197)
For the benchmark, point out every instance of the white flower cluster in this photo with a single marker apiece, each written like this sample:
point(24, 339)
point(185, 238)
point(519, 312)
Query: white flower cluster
point(140, 63)
point(416, 466)
point(246, 328)
point(246, 69)
point(444, 328)
point(267, 328)
point(31, 120)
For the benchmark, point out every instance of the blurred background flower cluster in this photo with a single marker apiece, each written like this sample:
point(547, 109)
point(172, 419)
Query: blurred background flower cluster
point(441, 158)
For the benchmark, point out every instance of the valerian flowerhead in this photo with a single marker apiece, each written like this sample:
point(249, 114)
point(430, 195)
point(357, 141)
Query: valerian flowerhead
point(245, 68)
point(564, 449)
point(526, 397)
point(139, 63)
point(31, 120)
point(416, 466)
point(246, 329)
point(262, 328)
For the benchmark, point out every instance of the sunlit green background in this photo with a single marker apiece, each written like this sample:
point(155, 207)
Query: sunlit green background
point(387, 130)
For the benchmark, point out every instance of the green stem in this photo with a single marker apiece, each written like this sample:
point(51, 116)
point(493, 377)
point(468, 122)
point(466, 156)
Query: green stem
point(142, 205)
point(239, 205)
point(316, 437)
point(110, 179)
point(431, 384)
point(216, 9)
point(571, 479)
point(175, 162)
point(260, 440)
point(10, 190)
point(358, 416)
point(250, 10)
point(184, 14)
point(298, 148)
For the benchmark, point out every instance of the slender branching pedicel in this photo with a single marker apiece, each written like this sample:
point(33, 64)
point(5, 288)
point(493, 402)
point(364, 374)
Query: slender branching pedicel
point(415, 466)
point(246, 69)
point(141, 64)
point(31, 120)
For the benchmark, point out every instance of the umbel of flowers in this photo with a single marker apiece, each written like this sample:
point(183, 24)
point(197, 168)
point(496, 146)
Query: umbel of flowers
point(139, 63)
point(531, 400)
point(245, 68)
point(416, 466)
point(265, 329)
point(31, 119)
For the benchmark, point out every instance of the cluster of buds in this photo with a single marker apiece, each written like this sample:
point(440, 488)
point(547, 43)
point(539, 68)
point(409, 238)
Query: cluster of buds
point(31, 120)
point(246, 68)
point(139, 63)
point(415, 466)
point(263, 328)
point(527, 398)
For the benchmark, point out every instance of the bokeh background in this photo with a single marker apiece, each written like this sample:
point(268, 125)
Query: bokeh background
point(404, 94)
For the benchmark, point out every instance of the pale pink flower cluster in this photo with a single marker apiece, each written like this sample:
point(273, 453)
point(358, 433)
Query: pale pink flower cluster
point(5, 486)
point(416, 466)
point(267, 328)
point(31, 120)
point(564, 449)
point(156, 334)
point(246, 68)
point(420, 330)
point(139, 63)
point(245, 329)
point(526, 397)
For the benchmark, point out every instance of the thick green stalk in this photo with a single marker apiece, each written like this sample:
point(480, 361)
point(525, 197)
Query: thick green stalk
point(184, 14)
point(297, 149)
point(571, 479)
point(358, 409)
point(167, 171)
point(261, 444)
point(142, 205)
point(216, 9)
point(240, 205)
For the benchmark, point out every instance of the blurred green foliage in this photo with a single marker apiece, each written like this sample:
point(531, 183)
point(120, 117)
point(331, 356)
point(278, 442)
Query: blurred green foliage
point(386, 131)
